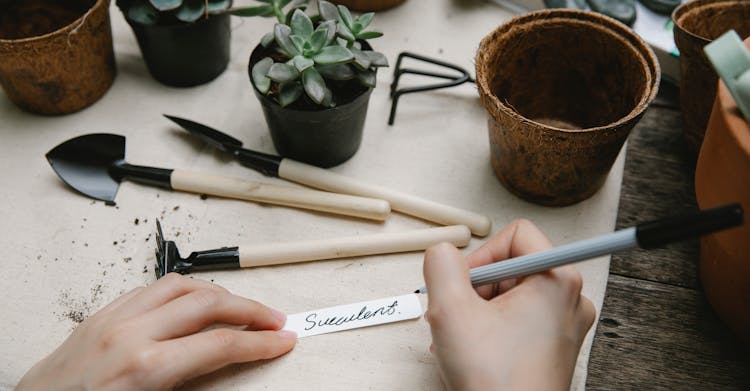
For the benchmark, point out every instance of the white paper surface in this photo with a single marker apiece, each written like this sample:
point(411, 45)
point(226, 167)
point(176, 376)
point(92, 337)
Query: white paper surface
point(65, 256)
point(353, 316)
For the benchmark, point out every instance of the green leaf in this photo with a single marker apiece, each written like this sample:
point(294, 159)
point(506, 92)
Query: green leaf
point(314, 85)
point(361, 60)
point(336, 71)
point(318, 39)
point(370, 34)
point(166, 5)
point(289, 93)
point(217, 6)
point(356, 28)
point(295, 6)
point(367, 78)
point(267, 40)
point(261, 10)
point(346, 16)
point(330, 28)
point(328, 11)
point(143, 12)
point(328, 99)
point(302, 63)
point(365, 19)
point(298, 42)
point(334, 54)
point(301, 24)
point(377, 59)
point(191, 10)
point(281, 33)
point(344, 32)
point(260, 69)
point(282, 73)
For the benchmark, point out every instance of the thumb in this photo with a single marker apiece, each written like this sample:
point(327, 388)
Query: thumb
point(446, 275)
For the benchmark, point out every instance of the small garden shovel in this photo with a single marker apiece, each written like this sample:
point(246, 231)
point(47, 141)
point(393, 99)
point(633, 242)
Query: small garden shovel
point(94, 165)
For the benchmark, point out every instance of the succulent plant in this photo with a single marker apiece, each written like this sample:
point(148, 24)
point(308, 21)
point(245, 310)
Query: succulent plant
point(152, 12)
point(310, 55)
point(272, 8)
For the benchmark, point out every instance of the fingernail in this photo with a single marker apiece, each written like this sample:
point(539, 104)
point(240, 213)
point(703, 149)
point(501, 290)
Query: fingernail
point(287, 334)
point(279, 315)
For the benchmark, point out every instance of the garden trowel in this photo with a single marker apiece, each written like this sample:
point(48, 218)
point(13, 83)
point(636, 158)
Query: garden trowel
point(317, 177)
point(94, 165)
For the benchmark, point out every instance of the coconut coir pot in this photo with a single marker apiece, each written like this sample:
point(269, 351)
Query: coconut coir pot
point(697, 23)
point(185, 54)
point(563, 89)
point(303, 131)
point(722, 176)
point(55, 57)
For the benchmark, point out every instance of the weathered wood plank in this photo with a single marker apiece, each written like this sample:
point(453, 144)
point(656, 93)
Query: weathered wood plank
point(658, 182)
point(656, 330)
point(653, 336)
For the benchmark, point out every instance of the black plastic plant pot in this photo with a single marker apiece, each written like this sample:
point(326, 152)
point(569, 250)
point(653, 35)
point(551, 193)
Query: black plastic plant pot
point(317, 136)
point(185, 54)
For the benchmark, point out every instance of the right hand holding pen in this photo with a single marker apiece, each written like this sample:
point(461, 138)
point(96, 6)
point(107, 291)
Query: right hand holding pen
point(521, 334)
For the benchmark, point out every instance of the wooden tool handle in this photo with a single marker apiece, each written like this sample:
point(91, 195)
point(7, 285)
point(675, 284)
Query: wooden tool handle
point(196, 182)
point(429, 210)
point(352, 246)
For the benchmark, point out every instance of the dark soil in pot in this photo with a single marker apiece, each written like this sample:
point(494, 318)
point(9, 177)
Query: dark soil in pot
point(306, 132)
point(31, 18)
point(185, 54)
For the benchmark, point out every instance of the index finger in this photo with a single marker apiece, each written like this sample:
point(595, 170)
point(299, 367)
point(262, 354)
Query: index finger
point(518, 238)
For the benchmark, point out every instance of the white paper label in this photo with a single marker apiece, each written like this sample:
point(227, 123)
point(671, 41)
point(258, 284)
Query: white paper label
point(352, 316)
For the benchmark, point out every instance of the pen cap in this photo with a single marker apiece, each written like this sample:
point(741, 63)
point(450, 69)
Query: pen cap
point(660, 232)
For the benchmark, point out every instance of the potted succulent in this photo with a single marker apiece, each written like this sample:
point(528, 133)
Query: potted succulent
point(183, 42)
point(313, 77)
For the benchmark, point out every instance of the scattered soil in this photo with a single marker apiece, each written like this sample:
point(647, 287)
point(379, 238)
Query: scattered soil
point(78, 309)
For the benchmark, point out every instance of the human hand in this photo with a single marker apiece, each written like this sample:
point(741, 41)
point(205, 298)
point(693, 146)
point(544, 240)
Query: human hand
point(151, 339)
point(521, 334)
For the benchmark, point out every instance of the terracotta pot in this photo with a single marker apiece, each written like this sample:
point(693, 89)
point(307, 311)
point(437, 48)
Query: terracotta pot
point(721, 177)
point(697, 23)
point(324, 137)
point(55, 57)
point(368, 5)
point(185, 54)
point(563, 89)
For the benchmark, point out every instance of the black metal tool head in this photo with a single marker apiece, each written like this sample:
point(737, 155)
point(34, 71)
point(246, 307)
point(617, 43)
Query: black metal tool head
point(209, 135)
point(167, 255)
point(84, 163)
point(262, 162)
point(168, 258)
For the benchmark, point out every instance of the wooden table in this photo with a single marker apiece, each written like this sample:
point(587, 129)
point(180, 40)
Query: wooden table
point(656, 329)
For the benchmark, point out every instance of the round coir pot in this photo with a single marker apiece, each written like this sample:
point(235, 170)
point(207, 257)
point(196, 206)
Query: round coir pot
point(55, 57)
point(305, 132)
point(563, 89)
point(696, 24)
